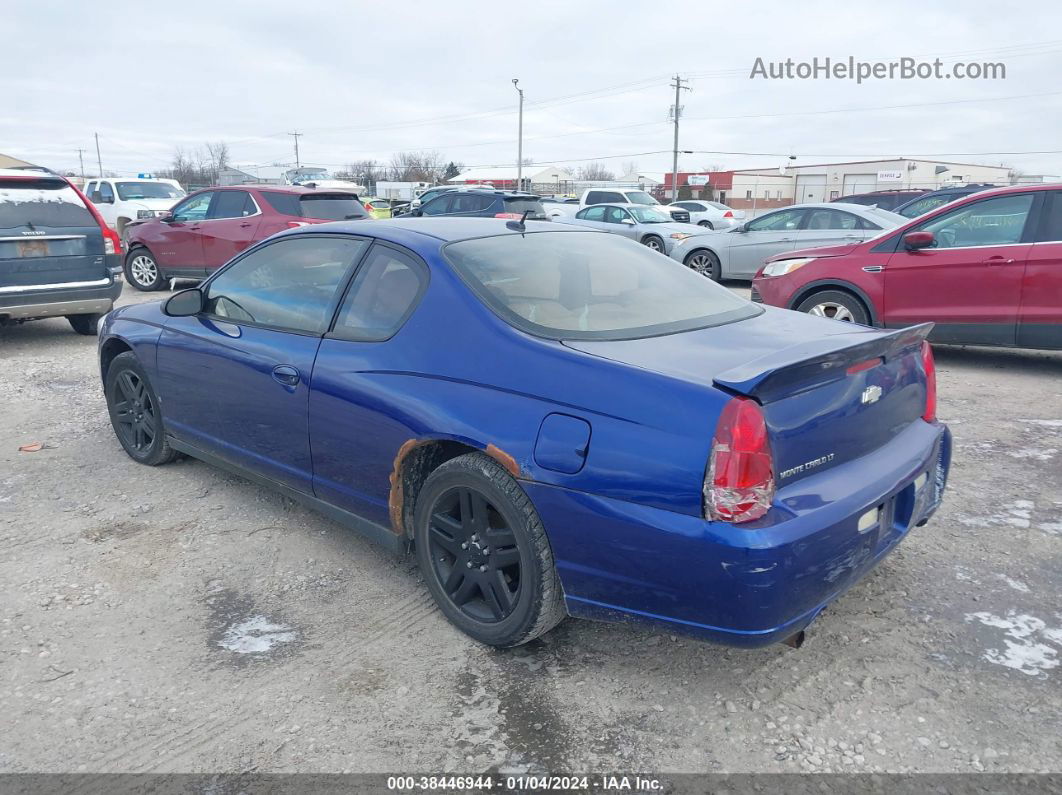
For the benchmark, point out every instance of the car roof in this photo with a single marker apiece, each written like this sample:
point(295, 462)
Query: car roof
point(298, 189)
point(416, 232)
point(30, 173)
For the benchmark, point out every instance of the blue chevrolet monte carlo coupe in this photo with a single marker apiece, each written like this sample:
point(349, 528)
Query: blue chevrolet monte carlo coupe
point(558, 421)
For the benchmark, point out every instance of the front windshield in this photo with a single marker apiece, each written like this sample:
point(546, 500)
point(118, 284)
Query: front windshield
point(923, 206)
point(590, 285)
point(649, 215)
point(640, 197)
point(147, 190)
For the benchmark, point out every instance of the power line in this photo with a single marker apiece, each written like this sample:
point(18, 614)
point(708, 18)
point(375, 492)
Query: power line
point(296, 136)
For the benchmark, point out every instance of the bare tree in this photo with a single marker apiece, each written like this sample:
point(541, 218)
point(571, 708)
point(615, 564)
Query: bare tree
point(198, 167)
point(594, 172)
point(416, 167)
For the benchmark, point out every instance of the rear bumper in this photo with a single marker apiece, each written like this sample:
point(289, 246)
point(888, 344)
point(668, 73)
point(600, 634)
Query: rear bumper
point(749, 585)
point(50, 302)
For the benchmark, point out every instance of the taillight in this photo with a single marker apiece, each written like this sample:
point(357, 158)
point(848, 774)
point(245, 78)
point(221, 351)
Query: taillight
point(297, 224)
point(740, 482)
point(728, 214)
point(368, 207)
point(508, 215)
point(931, 382)
point(112, 244)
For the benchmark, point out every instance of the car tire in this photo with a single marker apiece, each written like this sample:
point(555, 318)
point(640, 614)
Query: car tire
point(135, 412)
point(84, 324)
point(653, 242)
point(836, 305)
point(706, 224)
point(142, 271)
point(705, 263)
point(478, 536)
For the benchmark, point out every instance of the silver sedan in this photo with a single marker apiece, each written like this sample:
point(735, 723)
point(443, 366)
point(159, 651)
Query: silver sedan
point(739, 252)
point(647, 225)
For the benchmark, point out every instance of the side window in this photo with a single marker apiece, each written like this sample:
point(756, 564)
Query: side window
point(289, 284)
point(436, 206)
point(383, 295)
point(232, 204)
point(831, 219)
point(1051, 226)
point(468, 203)
point(194, 208)
point(90, 188)
point(782, 221)
point(604, 196)
point(615, 215)
point(592, 214)
point(106, 192)
point(992, 222)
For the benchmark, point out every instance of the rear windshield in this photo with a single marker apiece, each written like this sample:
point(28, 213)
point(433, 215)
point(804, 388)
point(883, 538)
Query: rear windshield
point(523, 205)
point(41, 202)
point(147, 190)
point(323, 207)
point(591, 285)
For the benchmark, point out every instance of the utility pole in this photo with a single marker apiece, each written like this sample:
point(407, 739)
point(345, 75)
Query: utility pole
point(676, 112)
point(81, 159)
point(99, 160)
point(296, 136)
point(520, 138)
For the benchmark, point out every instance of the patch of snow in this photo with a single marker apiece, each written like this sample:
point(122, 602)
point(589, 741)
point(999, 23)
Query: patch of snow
point(1045, 423)
point(1024, 652)
point(1017, 585)
point(255, 635)
point(1045, 454)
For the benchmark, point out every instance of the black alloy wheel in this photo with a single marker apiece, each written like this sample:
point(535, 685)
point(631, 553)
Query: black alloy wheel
point(474, 555)
point(134, 412)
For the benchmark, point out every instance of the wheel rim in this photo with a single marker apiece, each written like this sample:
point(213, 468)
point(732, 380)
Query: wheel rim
point(702, 263)
point(143, 270)
point(474, 555)
point(134, 411)
point(832, 310)
point(653, 243)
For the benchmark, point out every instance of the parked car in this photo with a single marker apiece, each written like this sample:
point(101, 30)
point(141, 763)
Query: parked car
point(121, 200)
point(986, 269)
point(560, 207)
point(593, 196)
point(884, 199)
point(211, 226)
point(714, 215)
point(937, 198)
point(431, 193)
point(646, 225)
point(557, 420)
point(378, 208)
point(483, 204)
point(58, 258)
point(739, 252)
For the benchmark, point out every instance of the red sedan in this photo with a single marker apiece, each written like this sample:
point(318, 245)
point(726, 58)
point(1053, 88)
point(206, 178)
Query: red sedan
point(986, 269)
point(211, 226)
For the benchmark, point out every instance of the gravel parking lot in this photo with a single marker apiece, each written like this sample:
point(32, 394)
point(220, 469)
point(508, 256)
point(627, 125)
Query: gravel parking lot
point(181, 619)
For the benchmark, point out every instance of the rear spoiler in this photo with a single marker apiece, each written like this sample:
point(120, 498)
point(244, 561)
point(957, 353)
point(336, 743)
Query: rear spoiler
point(797, 369)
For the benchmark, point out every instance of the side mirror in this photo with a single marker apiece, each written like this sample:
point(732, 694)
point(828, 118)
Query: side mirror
point(741, 228)
point(916, 240)
point(166, 218)
point(627, 222)
point(185, 303)
point(416, 212)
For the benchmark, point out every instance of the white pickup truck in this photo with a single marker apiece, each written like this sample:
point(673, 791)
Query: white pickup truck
point(120, 200)
point(592, 196)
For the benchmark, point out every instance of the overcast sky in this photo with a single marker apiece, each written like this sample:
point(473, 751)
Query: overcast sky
point(365, 80)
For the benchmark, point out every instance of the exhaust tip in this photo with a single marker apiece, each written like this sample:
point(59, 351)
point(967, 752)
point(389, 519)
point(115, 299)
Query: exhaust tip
point(795, 641)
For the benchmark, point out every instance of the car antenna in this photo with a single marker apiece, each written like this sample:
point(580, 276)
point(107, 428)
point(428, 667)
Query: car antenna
point(518, 226)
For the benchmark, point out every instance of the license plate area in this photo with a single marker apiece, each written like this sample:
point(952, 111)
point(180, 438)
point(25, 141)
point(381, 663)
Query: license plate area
point(32, 248)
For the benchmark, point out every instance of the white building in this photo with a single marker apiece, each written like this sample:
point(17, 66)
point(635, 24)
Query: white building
point(536, 177)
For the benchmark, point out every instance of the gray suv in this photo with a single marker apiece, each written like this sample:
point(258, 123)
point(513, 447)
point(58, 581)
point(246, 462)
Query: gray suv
point(57, 257)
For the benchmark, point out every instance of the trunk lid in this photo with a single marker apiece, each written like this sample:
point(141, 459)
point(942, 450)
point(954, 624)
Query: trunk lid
point(831, 392)
point(47, 235)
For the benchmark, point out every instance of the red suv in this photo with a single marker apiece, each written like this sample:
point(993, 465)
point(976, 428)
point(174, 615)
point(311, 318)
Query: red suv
point(211, 226)
point(987, 269)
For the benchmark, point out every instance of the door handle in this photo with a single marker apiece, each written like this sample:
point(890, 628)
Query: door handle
point(998, 260)
point(246, 224)
point(286, 375)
